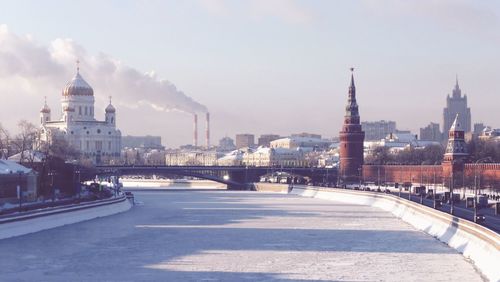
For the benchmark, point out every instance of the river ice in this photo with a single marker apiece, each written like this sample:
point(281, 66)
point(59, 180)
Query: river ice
point(234, 236)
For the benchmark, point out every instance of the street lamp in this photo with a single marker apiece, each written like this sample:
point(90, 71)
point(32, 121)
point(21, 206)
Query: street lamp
point(452, 209)
point(359, 170)
point(378, 177)
point(51, 174)
point(79, 186)
point(20, 190)
point(475, 186)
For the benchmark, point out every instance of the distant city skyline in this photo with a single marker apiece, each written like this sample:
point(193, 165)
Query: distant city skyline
point(259, 67)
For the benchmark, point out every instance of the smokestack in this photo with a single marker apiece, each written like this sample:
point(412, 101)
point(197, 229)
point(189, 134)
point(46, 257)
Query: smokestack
point(195, 140)
point(208, 130)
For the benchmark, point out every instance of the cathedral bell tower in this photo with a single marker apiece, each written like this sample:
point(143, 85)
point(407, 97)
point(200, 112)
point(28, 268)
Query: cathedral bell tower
point(351, 140)
point(45, 113)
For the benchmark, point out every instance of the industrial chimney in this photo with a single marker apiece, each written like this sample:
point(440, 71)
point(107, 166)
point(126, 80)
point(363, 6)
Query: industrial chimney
point(208, 131)
point(195, 136)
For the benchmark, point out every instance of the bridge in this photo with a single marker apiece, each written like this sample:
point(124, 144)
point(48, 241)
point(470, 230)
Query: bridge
point(235, 177)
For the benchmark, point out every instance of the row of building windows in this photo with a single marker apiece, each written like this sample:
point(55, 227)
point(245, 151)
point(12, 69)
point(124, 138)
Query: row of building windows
point(98, 145)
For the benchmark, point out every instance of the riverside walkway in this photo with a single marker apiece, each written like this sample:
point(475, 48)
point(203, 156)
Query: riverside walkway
point(234, 236)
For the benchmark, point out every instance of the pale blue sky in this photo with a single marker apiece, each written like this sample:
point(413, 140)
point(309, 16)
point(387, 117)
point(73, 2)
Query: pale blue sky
point(282, 66)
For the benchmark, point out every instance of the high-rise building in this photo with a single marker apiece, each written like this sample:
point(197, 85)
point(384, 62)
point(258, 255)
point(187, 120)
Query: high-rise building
point(265, 139)
point(377, 130)
point(478, 128)
point(245, 140)
point(226, 144)
point(351, 140)
point(456, 104)
point(306, 135)
point(431, 132)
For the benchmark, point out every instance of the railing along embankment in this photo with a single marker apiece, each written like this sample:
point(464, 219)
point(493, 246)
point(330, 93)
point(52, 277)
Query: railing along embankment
point(33, 221)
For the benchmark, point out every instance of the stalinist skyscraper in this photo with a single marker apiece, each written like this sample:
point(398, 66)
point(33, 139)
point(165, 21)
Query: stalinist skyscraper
point(456, 104)
point(351, 140)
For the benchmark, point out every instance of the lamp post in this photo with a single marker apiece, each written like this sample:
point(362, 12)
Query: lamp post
point(51, 174)
point(79, 186)
point(475, 186)
point(359, 170)
point(451, 187)
point(378, 177)
point(20, 190)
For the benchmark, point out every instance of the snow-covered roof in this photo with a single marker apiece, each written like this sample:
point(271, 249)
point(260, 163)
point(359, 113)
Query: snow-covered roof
point(401, 137)
point(30, 155)
point(8, 167)
point(233, 155)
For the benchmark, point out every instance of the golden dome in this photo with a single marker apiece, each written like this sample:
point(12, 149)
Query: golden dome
point(78, 86)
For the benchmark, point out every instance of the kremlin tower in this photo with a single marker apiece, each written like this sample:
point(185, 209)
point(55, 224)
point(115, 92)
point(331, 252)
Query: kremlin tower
point(351, 140)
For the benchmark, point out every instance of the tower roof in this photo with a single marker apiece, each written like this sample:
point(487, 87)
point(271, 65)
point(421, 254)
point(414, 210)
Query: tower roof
point(110, 108)
point(456, 125)
point(457, 92)
point(78, 86)
point(352, 107)
point(45, 108)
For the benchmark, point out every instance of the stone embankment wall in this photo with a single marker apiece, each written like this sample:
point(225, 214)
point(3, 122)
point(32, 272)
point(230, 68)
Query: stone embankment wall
point(474, 241)
point(34, 221)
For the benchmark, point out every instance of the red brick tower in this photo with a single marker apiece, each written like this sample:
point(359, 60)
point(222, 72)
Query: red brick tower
point(455, 155)
point(351, 140)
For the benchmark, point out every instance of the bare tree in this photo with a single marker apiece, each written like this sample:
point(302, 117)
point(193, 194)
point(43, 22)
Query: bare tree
point(5, 144)
point(24, 141)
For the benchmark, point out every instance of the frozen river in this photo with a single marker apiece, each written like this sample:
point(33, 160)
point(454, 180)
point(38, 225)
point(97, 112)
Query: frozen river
point(234, 236)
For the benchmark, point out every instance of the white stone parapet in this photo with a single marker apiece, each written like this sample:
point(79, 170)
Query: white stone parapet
point(474, 241)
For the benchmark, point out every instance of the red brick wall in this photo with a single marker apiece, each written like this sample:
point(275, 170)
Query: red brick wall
point(488, 175)
point(485, 174)
point(403, 173)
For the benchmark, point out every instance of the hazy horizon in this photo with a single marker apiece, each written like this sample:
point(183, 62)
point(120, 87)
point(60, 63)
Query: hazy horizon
point(257, 66)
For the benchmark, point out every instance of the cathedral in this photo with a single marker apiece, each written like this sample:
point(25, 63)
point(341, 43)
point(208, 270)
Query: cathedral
point(96, 140)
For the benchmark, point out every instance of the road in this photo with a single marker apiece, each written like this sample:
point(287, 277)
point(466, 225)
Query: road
point(492, 220)
point(234, 236)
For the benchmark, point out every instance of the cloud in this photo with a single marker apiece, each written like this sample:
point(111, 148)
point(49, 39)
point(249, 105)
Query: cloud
point(461, 15)
point(49, 67)
point(218, 7)
point(287, 10)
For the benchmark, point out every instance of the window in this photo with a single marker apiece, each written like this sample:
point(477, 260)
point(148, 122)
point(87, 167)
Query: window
point(109, 145)
point(46, 118)
point(112, 120)
point(98, 131)
point(80, 110)
point(86, 110)
point(88, 145)
point(98, 145)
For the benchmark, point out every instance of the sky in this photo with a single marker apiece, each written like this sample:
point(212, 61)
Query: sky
point(258, 66)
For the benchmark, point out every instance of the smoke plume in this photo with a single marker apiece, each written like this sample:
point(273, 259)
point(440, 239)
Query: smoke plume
point(22, 58)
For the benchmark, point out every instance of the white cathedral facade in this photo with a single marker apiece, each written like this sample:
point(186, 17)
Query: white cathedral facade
point(96, 140)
